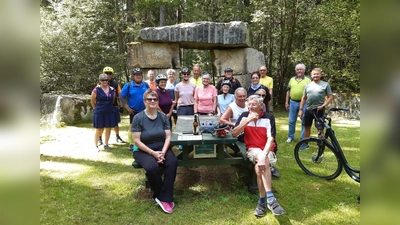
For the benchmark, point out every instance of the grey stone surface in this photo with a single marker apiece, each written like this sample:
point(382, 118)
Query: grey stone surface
point(243, 61)
point(65, 108)
point(153, 55)
point(200, 35)
point(346, 100)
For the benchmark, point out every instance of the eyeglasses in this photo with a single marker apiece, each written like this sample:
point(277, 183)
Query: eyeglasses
point(152, 99)
point(262, 70)
point(185, 74)
point(109, 73)
point(104, 80)
point(261, 95)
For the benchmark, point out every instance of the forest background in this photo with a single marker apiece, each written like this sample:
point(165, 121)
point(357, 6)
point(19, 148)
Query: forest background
point(79, 37)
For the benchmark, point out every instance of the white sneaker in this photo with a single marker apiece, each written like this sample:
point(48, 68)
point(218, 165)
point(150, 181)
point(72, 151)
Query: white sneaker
point(289, 140)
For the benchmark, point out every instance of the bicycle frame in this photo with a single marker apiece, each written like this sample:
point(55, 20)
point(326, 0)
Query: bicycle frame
point(334, 143)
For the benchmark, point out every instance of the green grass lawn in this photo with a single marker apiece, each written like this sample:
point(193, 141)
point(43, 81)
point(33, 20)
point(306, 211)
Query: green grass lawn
point(108, 190)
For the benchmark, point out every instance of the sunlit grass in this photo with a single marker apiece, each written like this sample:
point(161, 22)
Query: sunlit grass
point(105, 189)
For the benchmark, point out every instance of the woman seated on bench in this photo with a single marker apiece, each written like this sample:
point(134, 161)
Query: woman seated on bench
point(151, 133)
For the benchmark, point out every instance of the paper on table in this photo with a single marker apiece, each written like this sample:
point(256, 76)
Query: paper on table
point(189, 137)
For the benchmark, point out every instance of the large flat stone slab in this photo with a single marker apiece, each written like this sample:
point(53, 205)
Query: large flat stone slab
point(153, 55)
point(200, 35)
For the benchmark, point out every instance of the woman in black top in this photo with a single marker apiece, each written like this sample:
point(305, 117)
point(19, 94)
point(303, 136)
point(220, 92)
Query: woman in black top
point(151, 133)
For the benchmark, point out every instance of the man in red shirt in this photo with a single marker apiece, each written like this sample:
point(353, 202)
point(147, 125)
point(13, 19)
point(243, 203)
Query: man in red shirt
point(258, 128)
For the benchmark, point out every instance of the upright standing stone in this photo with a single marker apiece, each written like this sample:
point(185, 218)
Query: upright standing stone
point(153, 55)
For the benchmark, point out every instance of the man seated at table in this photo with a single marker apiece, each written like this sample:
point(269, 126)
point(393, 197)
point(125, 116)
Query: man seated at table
point(258, 128)
point(234, 110)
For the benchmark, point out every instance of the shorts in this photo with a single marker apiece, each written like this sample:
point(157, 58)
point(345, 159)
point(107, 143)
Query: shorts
point(252, 153)
point(185, 110)
point(308, 116)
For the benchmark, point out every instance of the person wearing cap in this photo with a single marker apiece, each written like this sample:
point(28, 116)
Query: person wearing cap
point(196, 79)
point(224, 99)
point(131, 97)
point(184, 92)
point(205, 97)
point(117, 103)
point(229, 77)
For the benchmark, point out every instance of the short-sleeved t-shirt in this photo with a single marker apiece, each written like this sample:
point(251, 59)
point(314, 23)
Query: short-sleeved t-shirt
point(164, 100)
point(205, 97)
point(135, 97)
point(186, 91)
point(152, 130)
point(316, 93)
point(224, 100)
point(197, 82)
point(267, 82)
point(296, 87)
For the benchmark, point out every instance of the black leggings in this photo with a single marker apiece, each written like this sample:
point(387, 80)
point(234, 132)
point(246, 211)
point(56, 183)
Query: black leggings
point(164, 191)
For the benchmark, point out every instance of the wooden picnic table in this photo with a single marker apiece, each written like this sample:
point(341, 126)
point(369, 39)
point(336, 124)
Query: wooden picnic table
point(206, 149)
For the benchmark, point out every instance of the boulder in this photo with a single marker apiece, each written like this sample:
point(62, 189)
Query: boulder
point(243, 61)
point(153, 55)
point(69, 109)
point(200, 35)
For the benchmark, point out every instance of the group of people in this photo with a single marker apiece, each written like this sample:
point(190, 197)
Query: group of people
point(246, 109)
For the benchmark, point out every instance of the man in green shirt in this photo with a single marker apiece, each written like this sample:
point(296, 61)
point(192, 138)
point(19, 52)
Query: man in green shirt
point(294, 93)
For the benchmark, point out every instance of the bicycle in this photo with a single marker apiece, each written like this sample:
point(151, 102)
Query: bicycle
point(317, 156)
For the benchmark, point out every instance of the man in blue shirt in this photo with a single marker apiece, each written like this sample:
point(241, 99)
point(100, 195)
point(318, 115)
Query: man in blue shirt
point(131, 97)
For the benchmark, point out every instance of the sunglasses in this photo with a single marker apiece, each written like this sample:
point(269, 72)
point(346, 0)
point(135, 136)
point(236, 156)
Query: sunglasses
point(185, 74)
point(152, 99)
point(104, 80)
point(109, 73)
point(262, 70)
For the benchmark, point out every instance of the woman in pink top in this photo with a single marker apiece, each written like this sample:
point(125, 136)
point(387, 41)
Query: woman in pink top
point(205, 97)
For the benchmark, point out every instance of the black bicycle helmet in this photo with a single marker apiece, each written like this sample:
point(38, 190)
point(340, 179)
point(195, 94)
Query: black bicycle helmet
point(185, 70)
point(137, 71)
point(226, 82)
point(160, 77)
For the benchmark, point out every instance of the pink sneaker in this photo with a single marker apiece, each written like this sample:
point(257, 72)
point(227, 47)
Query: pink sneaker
point(172, 204)
point(165, 206)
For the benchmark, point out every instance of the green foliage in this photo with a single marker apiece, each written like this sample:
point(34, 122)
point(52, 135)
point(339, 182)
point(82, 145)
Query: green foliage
point(75, 45)
point(79, 38)
point(331, 41)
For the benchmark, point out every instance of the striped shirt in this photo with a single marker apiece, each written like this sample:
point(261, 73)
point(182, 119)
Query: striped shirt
point(186, 92)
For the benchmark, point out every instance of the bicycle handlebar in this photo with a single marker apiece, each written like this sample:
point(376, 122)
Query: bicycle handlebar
point(337, 109)
point(321, 121)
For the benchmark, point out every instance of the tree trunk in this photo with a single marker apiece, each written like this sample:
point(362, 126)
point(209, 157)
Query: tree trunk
point(162, 15)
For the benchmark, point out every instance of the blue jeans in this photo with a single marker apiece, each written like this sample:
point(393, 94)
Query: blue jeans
point(293, 112)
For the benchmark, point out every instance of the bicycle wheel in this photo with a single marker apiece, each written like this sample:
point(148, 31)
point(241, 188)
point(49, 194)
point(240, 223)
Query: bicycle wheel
point(327, 166)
